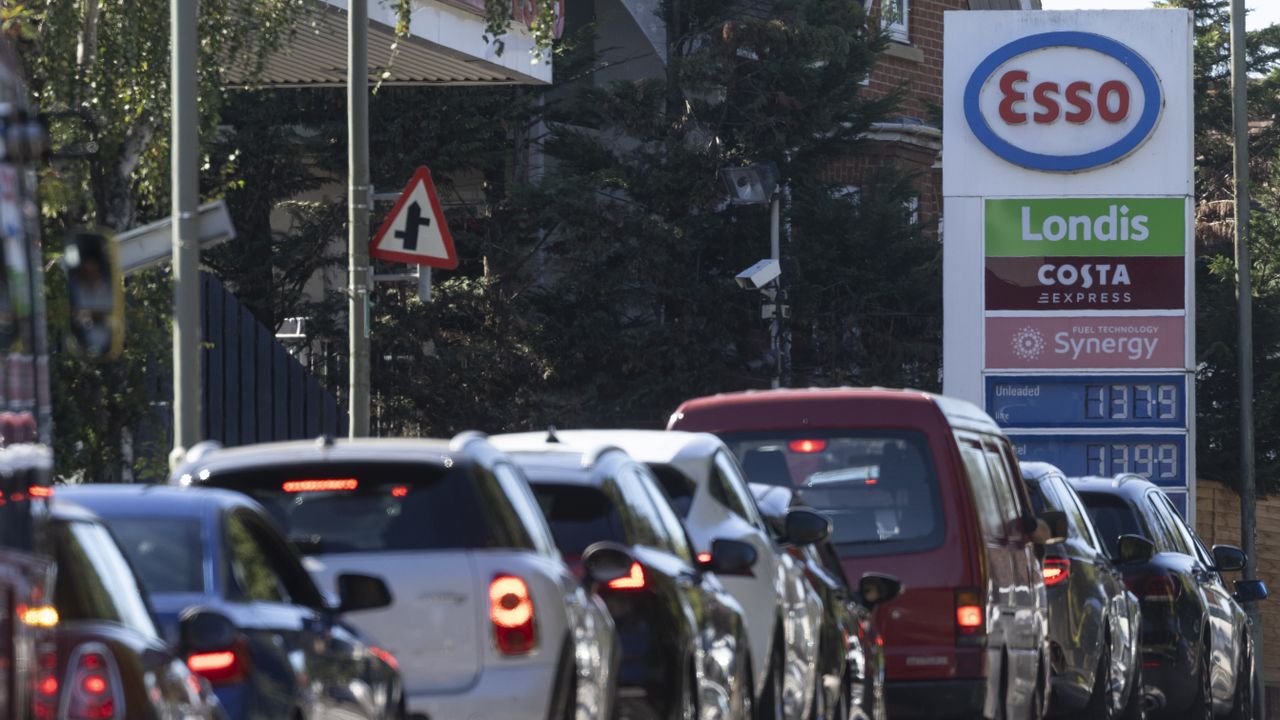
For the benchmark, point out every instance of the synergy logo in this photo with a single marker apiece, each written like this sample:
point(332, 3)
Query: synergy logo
point(1060, 342)
point(1063, 101)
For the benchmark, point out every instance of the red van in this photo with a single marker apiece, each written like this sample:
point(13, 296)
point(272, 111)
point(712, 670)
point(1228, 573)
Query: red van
point(925, 488)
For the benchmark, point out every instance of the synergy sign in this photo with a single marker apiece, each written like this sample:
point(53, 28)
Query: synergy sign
point(1100, 98)
point(1067, 278)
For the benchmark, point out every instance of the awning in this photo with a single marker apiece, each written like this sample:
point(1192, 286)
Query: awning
point(444, 47)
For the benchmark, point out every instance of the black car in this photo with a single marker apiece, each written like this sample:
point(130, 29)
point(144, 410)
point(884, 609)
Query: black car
point(684, 642)
point(228, 586)
point(851, 651)
point(1094, 620)
point(1197, 658)
point(110, 661)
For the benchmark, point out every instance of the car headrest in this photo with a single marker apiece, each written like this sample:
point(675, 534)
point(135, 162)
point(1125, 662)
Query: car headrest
point(767, 466)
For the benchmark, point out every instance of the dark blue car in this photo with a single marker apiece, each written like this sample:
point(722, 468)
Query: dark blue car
point(226, 584)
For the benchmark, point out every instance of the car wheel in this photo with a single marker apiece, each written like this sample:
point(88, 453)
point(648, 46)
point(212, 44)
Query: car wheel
point(770, 707)
point(1101, 701)
point(1135, 708)
point(1242, 704)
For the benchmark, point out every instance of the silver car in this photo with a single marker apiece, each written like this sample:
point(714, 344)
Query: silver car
point(487, 621)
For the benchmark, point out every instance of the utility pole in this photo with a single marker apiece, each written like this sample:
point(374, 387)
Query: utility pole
point(358, 200)
point(775, 252)
point(1244, 296)
point(184, 168)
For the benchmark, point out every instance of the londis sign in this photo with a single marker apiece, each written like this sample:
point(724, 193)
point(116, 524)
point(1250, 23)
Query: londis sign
point(1063, 101)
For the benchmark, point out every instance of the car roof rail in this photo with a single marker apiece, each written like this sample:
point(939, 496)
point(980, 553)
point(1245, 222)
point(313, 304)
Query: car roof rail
point(465, 438)
point(592, 456)
point(200, 450)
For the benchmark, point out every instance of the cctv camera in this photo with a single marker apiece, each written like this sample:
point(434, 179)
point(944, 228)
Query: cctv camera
point(759, 275)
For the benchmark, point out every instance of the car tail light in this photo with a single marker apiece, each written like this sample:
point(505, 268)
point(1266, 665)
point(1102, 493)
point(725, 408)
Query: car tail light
point(1156, 586)
point(807, 446)
point(93, 686)
point(222, 667)
point(971, 620)
point(635, 579)
point(44, 701)
point(1056, 571)
point(325, 485)
point(511, 611)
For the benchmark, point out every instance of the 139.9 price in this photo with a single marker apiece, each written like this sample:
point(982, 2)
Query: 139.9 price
point(1131, 402)
point(1153, 461)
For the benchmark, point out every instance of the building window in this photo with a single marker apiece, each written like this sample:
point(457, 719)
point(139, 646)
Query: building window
point(894, 16)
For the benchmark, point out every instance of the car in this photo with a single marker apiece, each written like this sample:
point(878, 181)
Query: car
point(685, 648)
point(1094, 620)
point(924, 486)
point(1197, 655)
point(109, 660)
point(706, 488)
point(486, 620)
point(850, 660)
point(227, 586)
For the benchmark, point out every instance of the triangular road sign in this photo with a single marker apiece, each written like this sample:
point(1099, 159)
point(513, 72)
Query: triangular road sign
point(415, 231)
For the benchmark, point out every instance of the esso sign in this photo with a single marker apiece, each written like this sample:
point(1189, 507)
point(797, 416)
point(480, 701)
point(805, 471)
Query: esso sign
point(1063, 101)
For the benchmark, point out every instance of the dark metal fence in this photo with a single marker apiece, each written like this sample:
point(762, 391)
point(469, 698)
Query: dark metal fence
point(255, 391)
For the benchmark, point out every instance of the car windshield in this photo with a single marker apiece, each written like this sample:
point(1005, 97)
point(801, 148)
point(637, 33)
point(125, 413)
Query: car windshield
point(359, 507)
point(879, 487)
point(167, 552)
point(579, 516)
point(94, 581)
point(1113, 517)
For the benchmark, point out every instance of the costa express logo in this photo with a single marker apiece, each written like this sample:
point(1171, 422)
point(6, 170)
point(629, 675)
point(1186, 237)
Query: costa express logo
point(1063, 101)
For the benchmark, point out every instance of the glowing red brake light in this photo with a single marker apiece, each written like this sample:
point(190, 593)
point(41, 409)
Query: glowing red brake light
point(94, 691)
point(221, 667)
point(44, 706)
point(325, 485)
point(971, 617)
point(400, 491)
point(512, 614)
point(634, 580)
point(40, 491)
point(1056, 570)
point(807, 446)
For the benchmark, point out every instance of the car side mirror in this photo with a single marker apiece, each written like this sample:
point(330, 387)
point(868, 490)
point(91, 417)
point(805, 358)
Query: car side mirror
point(95, 293)
point(1134, 549)
point(806, 527)
point(877, 588)
point(203, 630)
point(1228, 558)
point(605, 562)
point(361, 592)
point(1250, 591)
point(732, 557)
point(1059, 529)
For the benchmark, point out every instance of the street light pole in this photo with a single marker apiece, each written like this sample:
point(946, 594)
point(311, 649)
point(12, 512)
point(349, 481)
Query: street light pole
point(358, 199)
point(775, 253)
point(184, 169)
point(1244, 296)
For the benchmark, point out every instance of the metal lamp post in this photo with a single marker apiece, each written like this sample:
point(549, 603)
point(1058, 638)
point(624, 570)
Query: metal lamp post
point(758, 185)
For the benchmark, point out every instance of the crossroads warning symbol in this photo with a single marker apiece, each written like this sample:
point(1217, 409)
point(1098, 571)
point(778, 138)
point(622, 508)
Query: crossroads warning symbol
point(415, 232)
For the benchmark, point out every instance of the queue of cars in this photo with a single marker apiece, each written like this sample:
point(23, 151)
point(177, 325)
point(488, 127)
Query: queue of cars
point(793, 554)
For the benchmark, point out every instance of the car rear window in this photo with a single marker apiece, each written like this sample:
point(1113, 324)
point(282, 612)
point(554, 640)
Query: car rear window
point(879, 487)
point(167, 553)
point(1112, 517)
point(680, 488)
point(579, 516)
point(332, 508)
point(94, 580)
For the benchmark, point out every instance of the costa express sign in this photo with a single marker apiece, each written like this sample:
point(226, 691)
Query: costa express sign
point(1063, 101)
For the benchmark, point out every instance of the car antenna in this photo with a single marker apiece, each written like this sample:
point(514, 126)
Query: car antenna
point(324, 441)
point(551, 434)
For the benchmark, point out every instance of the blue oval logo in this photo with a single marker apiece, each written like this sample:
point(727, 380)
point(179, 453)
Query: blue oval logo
point(1027, 109)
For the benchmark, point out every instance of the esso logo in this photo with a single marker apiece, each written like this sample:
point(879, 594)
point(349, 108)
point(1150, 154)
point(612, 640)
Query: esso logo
point(1063, 101)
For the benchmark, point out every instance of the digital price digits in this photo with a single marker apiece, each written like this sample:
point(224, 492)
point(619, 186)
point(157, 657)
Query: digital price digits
point(1153, 461)
point(1131, 402)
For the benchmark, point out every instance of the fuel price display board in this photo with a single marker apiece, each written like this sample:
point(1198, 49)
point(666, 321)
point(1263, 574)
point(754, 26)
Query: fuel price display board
point(1162, 459)
point(1087, 401)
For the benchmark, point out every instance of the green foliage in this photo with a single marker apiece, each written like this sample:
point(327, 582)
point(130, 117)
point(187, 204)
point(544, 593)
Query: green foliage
point(1217, 347)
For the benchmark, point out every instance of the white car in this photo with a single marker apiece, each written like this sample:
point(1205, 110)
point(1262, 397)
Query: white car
point(708, 490)
point(487, 622)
